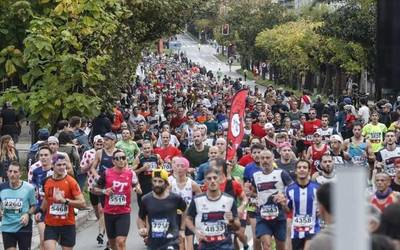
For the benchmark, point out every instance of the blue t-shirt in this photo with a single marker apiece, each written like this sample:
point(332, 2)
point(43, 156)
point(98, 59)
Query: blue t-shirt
point(38, 177)
point(249, 170)
point(15, 203)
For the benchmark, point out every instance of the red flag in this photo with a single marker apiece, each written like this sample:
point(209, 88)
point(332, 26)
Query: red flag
point(236, 123)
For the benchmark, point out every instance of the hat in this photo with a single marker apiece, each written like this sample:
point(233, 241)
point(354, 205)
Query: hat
point(43, 134)
point(182, 160)
point(388, 105)
point(337, 138)
point(160, 173)
point(110, 136)
point(52, 139)
point(347, 100)
point(268, 125)
point(97, 138)
point(317, 132)
point(57, 157)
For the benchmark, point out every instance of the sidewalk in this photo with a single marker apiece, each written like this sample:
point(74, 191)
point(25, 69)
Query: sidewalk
point(80, 220)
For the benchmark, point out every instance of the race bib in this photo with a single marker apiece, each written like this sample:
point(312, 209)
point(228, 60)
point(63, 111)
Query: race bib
point(214, 228)
point(117, 200)
point(167, 166)
point(159, 228)
point(58, 209)
point(13, 205)
point(390, 169)
point(309, 137)
point(375, 136)
point(269, 212)
point(153, 166)
point(303, 223)
point(359, 160)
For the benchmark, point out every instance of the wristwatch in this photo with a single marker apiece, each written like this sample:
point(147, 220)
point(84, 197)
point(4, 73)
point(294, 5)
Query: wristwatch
point(66, 202)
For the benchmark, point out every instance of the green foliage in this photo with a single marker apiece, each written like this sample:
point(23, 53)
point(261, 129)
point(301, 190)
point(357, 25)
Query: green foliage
point(72, 57)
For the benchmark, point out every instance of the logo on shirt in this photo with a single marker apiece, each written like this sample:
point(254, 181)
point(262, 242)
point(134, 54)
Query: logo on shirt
point(120, 185)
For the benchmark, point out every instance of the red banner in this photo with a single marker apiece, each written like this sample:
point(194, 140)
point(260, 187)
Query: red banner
point(236, 123)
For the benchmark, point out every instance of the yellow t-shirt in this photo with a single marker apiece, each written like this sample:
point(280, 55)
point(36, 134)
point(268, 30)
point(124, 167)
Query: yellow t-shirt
point(375, 135)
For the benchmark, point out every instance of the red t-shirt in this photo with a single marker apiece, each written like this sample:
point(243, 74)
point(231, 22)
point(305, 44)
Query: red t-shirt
point(258, 131)
point(246, 159)
point(176, 121)
point(59, 214)
point(309, 128)
point(170, 151)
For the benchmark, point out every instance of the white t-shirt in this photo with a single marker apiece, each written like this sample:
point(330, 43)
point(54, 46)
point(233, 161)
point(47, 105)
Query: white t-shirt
point(363, 112)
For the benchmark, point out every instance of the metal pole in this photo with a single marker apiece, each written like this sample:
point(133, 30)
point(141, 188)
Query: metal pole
point(350, 210)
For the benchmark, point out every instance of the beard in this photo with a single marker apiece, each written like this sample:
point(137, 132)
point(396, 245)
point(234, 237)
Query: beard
point(159, 190)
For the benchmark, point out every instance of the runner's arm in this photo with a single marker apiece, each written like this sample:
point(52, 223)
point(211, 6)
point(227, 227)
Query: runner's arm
point(196, 188)
point(95, 163)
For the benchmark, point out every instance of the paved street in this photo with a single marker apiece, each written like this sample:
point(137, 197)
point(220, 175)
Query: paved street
point(86, 238)
point(205, 57)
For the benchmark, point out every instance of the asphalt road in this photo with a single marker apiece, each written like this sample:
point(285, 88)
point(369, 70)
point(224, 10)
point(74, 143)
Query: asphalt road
point(86, 237)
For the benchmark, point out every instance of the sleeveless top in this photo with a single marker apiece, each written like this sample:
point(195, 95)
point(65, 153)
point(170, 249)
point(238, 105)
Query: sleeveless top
point(358, 152)
point(382, 205)
point(121, 183)
point(105, 162)
point(186, 192)
point(316, 156)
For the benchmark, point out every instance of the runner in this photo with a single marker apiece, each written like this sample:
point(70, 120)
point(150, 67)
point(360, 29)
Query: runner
point(374, 132)
point(340, 158)
point(302, 201)
point(158, 214)
point(185, 187)
point(358, 148)
point(316, 151)
point(386, 157)
point(86, 162)
point(210, 214)
point(249, 170)
point(310, 126)
point(127, 145)
point(395, 185)
point(326, 172)
point(116, 184)
point(270, 185)
point(325, 131)
point(144, 165)
point(17, 202)
point(42, 169)
point(167, 151)
point(198, 153)
point(384, 195)
point(61, 196)
point(213, 153)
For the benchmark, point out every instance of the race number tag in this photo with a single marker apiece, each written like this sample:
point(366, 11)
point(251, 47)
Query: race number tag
point(269, 212)
point(117, 200)
point(153, 166)
point(390, 169)
point(214, 228)
point(159, 228)
point(303, 223)
point(167, 167)
point(309, 137)
point(58, 209)
point(375, 137)
point(12, 205)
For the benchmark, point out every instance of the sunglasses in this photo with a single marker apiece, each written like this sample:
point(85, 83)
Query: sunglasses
point(120, 158)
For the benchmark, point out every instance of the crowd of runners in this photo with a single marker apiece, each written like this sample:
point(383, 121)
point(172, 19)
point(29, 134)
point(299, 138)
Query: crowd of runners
point(164, 142)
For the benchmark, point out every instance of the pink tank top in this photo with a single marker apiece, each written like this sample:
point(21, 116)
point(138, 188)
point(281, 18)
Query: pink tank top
point(121, 183)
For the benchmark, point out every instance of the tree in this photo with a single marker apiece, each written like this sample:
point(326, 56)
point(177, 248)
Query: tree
point(72, 57)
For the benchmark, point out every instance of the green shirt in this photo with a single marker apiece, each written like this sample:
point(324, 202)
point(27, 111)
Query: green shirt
point(375, 135)
point(196, 158)
point(237, 173)
point(130, 148)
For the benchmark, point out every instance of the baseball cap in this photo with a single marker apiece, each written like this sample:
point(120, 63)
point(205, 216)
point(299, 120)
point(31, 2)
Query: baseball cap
point(160, 173)
point(110, 136)
point(52, 139)
point(337, 138)
point(97, 138)
point(317, 132)
point(388, 105)
point(43, 134)
point(268, 125)
point(347, 100)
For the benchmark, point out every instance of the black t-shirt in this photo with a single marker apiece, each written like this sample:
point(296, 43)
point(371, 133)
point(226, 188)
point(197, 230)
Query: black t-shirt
point(162, 218)
point(145, 177)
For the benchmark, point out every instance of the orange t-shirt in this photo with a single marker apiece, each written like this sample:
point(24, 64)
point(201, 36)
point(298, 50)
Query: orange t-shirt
point(58, 214)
